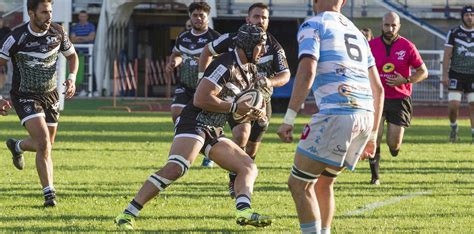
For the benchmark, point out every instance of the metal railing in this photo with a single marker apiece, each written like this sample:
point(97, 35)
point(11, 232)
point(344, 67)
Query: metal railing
point(431, 90)
point(88, 68)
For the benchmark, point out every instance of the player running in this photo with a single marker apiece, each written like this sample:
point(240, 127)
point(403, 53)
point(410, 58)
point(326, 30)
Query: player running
point(273, 71)
point(199, 128)
point(34, 49)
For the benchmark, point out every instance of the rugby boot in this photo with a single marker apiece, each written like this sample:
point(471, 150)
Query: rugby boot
point(17, 158)
point(250, 217)
point(125, 221)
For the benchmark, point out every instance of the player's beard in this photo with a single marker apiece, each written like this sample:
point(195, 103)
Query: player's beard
point(43, 25)
point(389, 36)
point(202, 27)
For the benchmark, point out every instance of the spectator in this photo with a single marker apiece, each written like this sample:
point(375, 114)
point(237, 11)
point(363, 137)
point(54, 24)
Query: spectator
point(367, 33)
point(83, 32)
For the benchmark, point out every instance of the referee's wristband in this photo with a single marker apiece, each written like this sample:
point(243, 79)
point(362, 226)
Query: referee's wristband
point(72, 76)
point(290, 117)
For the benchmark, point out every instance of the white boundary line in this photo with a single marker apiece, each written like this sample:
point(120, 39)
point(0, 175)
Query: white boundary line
point(373, 206)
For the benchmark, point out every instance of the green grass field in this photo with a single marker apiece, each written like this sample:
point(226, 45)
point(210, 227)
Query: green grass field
point(101, 158)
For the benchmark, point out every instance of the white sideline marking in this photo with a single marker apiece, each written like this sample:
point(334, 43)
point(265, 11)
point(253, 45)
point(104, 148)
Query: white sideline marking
point(373, 206)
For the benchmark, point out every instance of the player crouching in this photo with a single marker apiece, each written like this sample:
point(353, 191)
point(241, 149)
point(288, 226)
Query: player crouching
point(200, 129)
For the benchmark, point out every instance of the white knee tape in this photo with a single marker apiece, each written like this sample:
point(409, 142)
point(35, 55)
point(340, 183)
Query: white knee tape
point(159, 182)
point(470, 97)
point(303, 175)
point(454, 96)
point(181, 161)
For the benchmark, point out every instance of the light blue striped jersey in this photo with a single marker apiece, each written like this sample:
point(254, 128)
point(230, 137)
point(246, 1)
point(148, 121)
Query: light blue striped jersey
point(343, 54)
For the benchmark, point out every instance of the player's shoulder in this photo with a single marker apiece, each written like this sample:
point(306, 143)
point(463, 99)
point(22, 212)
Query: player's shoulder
point(407, 43)
point(214, 33)
point(225, 59)
point(20, 29)
point(184, 34)
point(56, 28)
point(273, 42)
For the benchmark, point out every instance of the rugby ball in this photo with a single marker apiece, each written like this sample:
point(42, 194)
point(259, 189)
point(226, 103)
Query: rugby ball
point(253, 97)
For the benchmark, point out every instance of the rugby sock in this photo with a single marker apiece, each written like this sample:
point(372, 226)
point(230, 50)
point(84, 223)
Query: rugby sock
point(133, 208)
point(49, 192)
point(394, 153)
point(326, 230)
point(17, 147)
point(375, 163)
point(307, 228)
point(454, 125)
point(242, 202)
point(232, 176)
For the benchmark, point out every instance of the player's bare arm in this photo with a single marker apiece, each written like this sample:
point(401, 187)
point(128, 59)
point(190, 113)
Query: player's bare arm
point(205, 58)
point(420, 74)
point(175, 60)
point(70, 83)
point(277, 81)
point(304, 80)
point(4, 106)
point(448, 52)
point(206, 99)
point(378, 95)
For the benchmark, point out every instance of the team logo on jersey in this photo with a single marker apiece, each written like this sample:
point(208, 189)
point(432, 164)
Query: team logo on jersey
point(401, 54)
point(32, 44)
point(27, 109)
point(186, 39)
point(344, 90)
point(202, 40)
point(51, 40)
point(388, 67)
point(192, 46)
point(308, 34)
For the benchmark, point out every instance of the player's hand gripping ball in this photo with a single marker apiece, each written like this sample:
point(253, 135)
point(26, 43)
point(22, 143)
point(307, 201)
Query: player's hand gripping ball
point(254, 98)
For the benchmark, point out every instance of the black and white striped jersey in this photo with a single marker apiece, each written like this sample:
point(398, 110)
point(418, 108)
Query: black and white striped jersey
point(462, 42)
point(34, 57)
point(232, 77)
point(190, 46)
point(270, 64)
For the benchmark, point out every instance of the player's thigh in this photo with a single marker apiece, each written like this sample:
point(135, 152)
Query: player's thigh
point(37, 129)
point(241, 133)
point(187, 147)
point(230, 156)
point(394, 133)
point(309, 165)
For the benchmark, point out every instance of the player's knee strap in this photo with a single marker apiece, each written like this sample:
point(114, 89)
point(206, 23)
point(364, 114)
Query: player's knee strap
point(303, 175)
point(454, 96)
point(181, 161)
point(470, 97)
point(331, 172)
point(160, 182)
